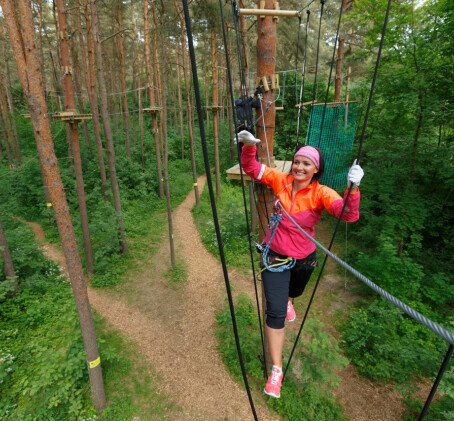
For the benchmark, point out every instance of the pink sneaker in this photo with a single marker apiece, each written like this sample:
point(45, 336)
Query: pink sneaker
point(291, 315)
point(273, 385)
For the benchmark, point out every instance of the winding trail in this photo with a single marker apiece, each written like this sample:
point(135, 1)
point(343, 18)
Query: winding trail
point(180, 341)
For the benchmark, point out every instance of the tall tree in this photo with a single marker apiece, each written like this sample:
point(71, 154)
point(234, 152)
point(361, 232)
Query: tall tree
point(8, 265)
point(24, 46)
point(107, 129)
point(70, 106)
point(90, 78)
point(123, 80)
point(151, 93)
point(188, 101)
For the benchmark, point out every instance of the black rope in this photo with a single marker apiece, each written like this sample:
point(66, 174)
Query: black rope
point(212, 199)
point(348, 190)
point(229, 76)
point(443, 367)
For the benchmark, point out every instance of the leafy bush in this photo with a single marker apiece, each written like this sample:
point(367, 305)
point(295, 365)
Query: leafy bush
point(387, 345)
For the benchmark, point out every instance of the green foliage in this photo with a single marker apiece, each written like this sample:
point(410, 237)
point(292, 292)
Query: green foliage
point(305, 393)
point(178, 274)
point(232, 223)
point(387, 345)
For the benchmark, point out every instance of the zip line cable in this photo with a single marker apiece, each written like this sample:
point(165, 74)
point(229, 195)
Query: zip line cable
point(229, 76)
point(349, 188)
point(212, 199)
point(434, 327)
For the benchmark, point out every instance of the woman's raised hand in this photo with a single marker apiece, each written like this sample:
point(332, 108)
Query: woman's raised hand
point(355, 174)
point(247, 138)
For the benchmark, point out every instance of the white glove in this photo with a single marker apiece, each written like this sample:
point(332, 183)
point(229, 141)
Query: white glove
point(355, 174)
point(247, 138)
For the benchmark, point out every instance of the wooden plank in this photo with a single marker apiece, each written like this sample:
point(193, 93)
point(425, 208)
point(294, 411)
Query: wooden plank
point(234, 172)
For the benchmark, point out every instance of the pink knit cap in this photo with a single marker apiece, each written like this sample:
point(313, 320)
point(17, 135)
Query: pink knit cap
point(311, 153)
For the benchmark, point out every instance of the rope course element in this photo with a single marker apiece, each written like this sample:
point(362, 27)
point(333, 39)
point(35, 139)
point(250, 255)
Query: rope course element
point(212, 198)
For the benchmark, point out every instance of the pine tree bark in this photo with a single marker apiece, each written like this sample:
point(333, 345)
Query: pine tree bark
point(9, 126)
point(188, 102)
point(78, 84)
point(27, 59)
point(180, 100)
point(123, 82)
point(8, 265)
point(152, 98)
point(92, 97)
point(5, 138)
point(70, 105)
point(166, 155)
point(6, 70)
point(142, 154)
point(214, 93)
point(107, 129)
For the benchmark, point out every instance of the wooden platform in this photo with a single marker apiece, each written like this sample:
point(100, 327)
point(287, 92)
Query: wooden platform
point(234, 172)
point(214, 108)
point(26, 115)
point(152, 110)
point(70, 116)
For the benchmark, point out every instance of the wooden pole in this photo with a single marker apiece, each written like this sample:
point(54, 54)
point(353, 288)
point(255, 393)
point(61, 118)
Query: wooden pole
point(338, 81)
point(70, 105)
point(214, 101)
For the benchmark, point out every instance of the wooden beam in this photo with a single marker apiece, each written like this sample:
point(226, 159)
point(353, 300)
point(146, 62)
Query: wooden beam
point(269, 12)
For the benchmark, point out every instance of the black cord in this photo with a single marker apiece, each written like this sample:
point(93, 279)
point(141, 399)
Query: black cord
point(348, 190)
point(229, 76)
point(212, 199)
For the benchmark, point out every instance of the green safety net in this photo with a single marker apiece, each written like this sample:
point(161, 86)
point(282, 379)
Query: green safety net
point(336, 141)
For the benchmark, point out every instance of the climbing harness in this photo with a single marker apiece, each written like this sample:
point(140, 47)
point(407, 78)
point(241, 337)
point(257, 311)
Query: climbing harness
point(281, 264)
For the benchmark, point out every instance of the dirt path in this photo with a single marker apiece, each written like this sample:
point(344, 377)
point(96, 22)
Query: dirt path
point(180, 340)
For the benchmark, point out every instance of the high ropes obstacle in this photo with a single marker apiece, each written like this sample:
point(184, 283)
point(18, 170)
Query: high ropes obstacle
point(434, 327)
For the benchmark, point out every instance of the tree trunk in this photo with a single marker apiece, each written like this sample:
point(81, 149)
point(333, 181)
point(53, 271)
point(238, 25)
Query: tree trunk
point(7, 72)
point(123, 82)
point(78, 84)
point(27, 60)
point(8, 266)
point(107, 129)
point(70, 105)
point(166, 158)
point(180, 101)
point(214, 97)
point(5, 137)
point(92, 97)
point(151, 89)
point(142, 154)
point(188, 102)
point(338, 81)
point(229, 109)
point(9, 127)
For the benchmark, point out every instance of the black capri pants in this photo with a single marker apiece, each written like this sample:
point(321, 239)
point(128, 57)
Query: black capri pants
point(281, 285)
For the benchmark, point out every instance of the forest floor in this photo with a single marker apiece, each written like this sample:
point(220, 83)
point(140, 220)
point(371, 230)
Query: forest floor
point(173, 325)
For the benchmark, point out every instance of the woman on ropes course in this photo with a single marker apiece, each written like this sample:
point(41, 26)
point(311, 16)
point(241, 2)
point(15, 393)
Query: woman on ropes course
point(289, 257)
